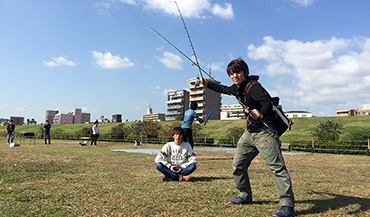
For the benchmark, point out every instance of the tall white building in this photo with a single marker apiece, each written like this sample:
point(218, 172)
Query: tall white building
point(177, 104)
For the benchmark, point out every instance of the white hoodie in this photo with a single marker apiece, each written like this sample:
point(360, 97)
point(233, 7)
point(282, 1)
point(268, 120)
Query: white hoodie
point(172, 154)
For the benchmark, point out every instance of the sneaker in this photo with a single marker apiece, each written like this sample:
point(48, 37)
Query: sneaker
point(240, 200)
point(285, 211)
point(166, 178)
point(185, 178)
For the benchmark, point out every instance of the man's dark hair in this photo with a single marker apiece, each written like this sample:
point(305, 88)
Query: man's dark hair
point(237, 65)
point(194, 105)
point(177, 130)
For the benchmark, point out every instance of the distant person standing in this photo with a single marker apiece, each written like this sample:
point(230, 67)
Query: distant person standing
point(10, 131)
point(95, 133)
point(47, 127)
point(189, 116)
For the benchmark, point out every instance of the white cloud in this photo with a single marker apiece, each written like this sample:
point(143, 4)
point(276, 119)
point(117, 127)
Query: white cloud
point(217, 67)
point(59, 61)
point(303, 3)
point(188, 8)
point(130, 2)
point(108, 61)
point(324, 75)
point(224, 12)
point(171, 60)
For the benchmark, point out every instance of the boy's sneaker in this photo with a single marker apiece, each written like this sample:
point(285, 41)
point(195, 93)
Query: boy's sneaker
point(285, 211)
point(185, 178)
point(240, 200)
point(166, 178)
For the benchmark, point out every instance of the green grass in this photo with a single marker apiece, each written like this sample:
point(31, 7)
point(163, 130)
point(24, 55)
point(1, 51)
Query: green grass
point(301, 129)
point(63, 179)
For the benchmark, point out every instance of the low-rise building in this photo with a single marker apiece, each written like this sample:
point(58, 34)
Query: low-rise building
point(31, 122)
point(354, 112)
point(298, 114)
point(17, 120)
point(229, 112)
point(150, 116)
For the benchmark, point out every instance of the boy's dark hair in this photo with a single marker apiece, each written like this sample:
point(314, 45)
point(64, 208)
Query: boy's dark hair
point(194, 105)
point(177, 130)
point(237, 65)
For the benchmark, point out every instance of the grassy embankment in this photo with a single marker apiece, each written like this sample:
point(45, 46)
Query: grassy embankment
point(217, 129)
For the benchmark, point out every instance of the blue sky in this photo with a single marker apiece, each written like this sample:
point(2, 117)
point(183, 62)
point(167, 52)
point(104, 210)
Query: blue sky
point(99, 55)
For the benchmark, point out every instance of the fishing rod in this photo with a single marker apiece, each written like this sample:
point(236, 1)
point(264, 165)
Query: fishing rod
point(246, 108)
point(182, 53)
point(191, 43)
point(192, 61)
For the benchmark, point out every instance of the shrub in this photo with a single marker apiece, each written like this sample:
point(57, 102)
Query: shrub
point(327, 130)
point(86, 131)
point(119, 131)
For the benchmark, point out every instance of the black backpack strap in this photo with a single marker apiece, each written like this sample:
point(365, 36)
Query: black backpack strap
point(249, 86)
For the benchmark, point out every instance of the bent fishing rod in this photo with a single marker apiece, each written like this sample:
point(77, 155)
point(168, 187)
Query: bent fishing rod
point(182, 53)
point(191, 43)
point(246, 108)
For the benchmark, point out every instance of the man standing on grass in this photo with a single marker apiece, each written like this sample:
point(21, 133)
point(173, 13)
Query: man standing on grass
point(189, 116)
point(95, 133)
point(176, 160)
point(47, 127)
point(10, 131)
point(260, 137)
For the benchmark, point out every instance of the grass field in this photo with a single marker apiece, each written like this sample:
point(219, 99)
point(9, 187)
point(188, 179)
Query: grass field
point(63, 179)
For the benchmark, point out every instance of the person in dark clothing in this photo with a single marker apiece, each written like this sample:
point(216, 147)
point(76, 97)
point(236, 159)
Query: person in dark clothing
point(260, 137)
point(10, 131)
point(189, 116)
point(47, 127)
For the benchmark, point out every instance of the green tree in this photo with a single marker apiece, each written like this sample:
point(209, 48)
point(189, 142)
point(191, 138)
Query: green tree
point(166, 131)
point(86, 131)
point(119, 131)
point(234, 132)
point(327, 130)
point(146, 128)
point(40, 131)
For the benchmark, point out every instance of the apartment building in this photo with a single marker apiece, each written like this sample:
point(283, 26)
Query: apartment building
point(177, 104)
point(17, 120)
point(50, 114)
point(85, 118)
point(208, 100)
point(117, 118)
point(74, 117)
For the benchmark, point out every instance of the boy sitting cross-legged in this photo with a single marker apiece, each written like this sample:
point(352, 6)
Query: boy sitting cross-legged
point(176, 160)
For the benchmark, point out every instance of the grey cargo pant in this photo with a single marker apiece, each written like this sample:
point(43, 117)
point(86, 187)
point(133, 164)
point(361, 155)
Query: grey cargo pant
point(268, 145)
